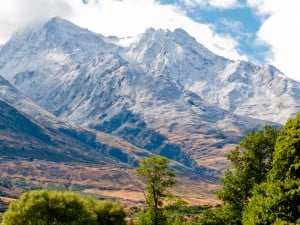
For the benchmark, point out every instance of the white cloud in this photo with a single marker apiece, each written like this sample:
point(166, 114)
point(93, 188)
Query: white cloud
point(114, 17)
point(280, 30)
point(280, 21)
point(15, 14)
point(130, 17)
point(222, 4)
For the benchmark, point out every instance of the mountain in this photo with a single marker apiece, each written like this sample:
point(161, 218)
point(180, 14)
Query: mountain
point(162, 91)
point(28, 131)
point(240, 87)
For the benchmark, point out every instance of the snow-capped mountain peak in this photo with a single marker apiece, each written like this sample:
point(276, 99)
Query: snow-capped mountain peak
point(156, 89)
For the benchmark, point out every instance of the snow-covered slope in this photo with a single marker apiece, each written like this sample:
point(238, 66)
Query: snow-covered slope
point(237, 86)
point(27, 130)
point(160, 90)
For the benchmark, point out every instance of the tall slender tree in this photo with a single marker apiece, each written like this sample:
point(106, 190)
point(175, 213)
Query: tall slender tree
point(154, 172)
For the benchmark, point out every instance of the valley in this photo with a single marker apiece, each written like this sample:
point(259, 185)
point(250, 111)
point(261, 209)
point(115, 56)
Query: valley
point(103, 182)
point(78, 110)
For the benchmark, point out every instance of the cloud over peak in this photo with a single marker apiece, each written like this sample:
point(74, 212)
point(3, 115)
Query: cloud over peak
point(276, 29)
point(281, 20)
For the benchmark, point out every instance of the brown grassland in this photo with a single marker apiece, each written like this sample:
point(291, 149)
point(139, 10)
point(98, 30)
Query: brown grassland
point(106, 182)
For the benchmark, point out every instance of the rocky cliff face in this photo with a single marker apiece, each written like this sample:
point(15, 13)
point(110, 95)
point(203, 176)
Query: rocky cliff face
point(161, 90)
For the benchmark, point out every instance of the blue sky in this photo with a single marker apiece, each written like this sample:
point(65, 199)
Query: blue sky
point(241, 23)
point(262, 31)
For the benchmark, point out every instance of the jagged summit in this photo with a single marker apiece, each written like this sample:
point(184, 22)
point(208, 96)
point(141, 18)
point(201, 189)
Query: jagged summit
point(60, 30)
point(161, 90)
point(63, 23)
point(56, 35)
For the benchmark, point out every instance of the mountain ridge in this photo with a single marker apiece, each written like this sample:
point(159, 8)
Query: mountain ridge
point(24, 125)
point(161, 91)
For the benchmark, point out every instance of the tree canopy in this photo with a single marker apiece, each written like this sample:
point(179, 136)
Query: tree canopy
point(277, 200)
point(61, 208)
point(251, 161)
point(263, 185)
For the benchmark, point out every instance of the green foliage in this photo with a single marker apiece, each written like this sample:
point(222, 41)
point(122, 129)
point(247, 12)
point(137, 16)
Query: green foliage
point(179, 213)
point(186, 210)
point(61, 208)
point(219, 215)
point(251, 161)
point(42, 207)
point(154, 172)
point(152, 216)
point(165, 218)
point(286, 163)
point(107, 213)
point(278, 199)
point(282, 222)
point(174, 219)
point(274, 201)
point(212, 216)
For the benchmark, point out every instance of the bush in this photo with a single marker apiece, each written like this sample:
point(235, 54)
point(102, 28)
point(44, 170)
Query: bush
point(67, 208)
point(150, 216)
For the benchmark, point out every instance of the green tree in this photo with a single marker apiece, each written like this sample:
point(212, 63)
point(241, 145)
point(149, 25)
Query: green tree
point(251, 161)
point(278, 199)
point(45, 208)
point(154, 172)
point(60, 208)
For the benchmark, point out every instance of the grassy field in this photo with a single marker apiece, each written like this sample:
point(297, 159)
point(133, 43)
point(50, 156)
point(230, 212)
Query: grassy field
point(105, 182)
